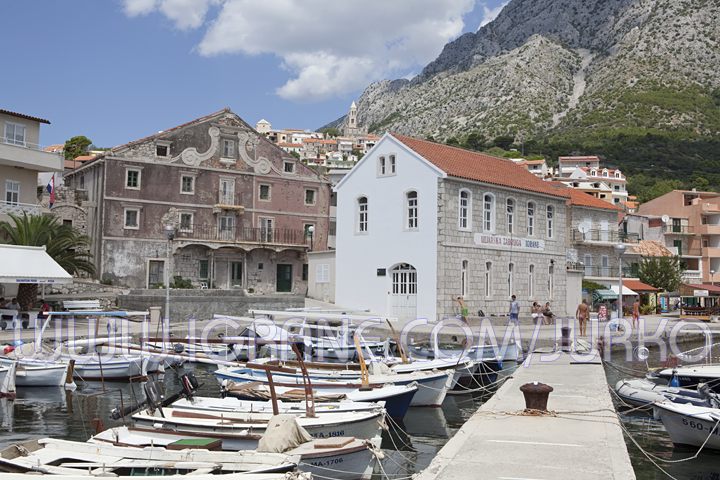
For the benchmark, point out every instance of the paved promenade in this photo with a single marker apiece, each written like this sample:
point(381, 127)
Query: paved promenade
point(581, 438)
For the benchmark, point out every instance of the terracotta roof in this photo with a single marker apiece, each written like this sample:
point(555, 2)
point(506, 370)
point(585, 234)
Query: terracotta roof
point(57, 147)
point(704, 286)
point(639, 286)
point(579, 158)
point(22, 115)
point(293, 145)
point(534, 162)
point(651, 248)
point(582, 199)
point(461, 163)
point(78, 161)
point(318, 140)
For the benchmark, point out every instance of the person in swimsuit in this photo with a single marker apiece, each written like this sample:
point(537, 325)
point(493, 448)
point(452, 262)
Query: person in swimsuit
point(582, 314)
point(464, 312)
point(636, 313)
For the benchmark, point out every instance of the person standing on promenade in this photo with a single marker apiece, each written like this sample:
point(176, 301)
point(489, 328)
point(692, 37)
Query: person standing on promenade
point(582, 314)
point(636, 313)
point(463, 309)
point(514, 311)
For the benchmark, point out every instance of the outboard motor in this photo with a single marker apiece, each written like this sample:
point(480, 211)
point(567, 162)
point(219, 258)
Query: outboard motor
point(189, 384)
point(154, 399)
point(223, 388)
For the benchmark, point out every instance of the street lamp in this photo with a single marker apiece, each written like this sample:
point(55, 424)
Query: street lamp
point(620, 249)
point(170, 235)
point(311, 231)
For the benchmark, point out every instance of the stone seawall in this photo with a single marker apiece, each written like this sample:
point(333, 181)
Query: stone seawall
point(203, 304)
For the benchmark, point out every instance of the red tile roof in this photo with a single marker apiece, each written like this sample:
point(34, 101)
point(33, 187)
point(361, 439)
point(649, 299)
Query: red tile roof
point(639, 286)
point(592, 158)
point(461, 163)
point(22, 115)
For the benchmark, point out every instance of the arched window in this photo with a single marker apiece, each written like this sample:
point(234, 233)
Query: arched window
point(488, 278)
point(381, 166)
point(362, 214)
point(531, 219)
point(510, 212)
point(550, 220)
point(593, 173)
point(464, 212)
point(511, 278)
point(531, 281)
point(411, 199)
point(489, 213)
point(464, 278)
point(617, 174)
point(605, 173)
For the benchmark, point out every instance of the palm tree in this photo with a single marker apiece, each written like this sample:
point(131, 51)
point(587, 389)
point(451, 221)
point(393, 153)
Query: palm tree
point(67, 246)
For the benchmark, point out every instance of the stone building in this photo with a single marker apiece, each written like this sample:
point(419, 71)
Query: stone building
point(435, 222)
point(241, 212)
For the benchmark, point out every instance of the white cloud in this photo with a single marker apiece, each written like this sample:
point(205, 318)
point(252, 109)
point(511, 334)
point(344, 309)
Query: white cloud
point(489, 14)
point(185, 14)
point(328, 47)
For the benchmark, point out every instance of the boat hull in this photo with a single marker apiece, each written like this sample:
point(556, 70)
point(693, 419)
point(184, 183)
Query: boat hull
point(689, 429)
point(37, 374)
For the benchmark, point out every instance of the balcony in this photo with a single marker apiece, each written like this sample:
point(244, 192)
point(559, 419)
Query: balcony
point(711, 252)
point(678, 230)
point(685, 251)
point(690, 276)
point(19, 208)
point(710, 208)
point(214, 233)
point(599, 271)
point(604, 236)
point(709, 229)
point(29, 156)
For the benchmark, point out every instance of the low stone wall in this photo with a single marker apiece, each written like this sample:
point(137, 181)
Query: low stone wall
point(202, 304)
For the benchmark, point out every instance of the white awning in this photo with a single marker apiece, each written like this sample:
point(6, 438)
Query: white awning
point(20, 264)
point(626, 290)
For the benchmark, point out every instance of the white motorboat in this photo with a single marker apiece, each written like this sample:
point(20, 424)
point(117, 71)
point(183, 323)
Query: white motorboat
point(692, 375)
point(37, 373)
point(217, 406)
point(396, 398)
point(643, 392)
point(234, 428)
point(432, 386)
point(689, 424)
point(69, 459)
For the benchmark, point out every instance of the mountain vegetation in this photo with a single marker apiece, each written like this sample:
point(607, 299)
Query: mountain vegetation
point(633, 81)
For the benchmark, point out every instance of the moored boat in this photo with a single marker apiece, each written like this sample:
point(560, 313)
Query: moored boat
point(689, 424)
point(643, 392)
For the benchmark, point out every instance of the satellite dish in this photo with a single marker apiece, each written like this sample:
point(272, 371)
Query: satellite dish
point(583, 227)
point(665, 219)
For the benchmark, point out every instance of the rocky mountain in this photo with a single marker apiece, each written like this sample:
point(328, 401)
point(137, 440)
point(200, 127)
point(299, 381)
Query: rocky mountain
point(567, 70)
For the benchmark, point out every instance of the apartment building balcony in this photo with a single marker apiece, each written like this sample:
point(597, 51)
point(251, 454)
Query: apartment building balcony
point(599, 272)
point(604, 237)
point(243, 235)
point(685, 251)
point(679, 230)
point(19, 208)
point(709, 229)
point(711, 252)
point(692, 276)
point(710, 208)
point(29, 156)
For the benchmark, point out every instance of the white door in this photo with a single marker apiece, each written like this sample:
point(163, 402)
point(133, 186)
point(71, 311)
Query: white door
point(403, 296)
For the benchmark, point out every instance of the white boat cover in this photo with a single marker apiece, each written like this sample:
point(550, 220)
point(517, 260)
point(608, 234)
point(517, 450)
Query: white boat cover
point(283, 433)
point(22, 264)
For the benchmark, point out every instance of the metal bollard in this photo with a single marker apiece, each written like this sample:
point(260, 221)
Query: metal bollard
point(536, 395)
point(565, 339)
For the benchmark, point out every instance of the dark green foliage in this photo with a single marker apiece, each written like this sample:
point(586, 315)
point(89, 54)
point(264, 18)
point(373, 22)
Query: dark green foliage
point(661, 272)
point(503, 141)
point(330, 132)
point(76, 146)
point(180, 282)
point(592, 286)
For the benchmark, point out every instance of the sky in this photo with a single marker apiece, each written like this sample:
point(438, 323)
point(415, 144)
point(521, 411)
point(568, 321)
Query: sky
point(118, 70)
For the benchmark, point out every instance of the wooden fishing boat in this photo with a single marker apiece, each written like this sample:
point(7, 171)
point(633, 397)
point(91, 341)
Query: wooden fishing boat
point(233, 428)
point(180, 460)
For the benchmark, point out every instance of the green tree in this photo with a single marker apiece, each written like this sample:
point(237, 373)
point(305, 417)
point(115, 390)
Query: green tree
point(330, 132)
point(76, 146)
point(504, 141)
point(475, 141)
point(661, 272)
point(63, 243)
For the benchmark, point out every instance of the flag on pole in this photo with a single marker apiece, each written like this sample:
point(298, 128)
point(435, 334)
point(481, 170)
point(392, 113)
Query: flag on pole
point(51, 190)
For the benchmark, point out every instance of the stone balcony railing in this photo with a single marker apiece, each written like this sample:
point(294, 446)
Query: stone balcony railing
point(214, 233)
point(604, 236)
point(19, 208)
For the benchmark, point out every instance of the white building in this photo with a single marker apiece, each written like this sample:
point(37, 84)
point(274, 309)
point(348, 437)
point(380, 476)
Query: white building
point(419, 223)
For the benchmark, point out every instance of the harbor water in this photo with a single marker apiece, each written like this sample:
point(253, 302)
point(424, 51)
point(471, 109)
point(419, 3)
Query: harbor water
point(409, 445)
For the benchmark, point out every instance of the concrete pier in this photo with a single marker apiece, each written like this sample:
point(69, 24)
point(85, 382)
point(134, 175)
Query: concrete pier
point(580, 438)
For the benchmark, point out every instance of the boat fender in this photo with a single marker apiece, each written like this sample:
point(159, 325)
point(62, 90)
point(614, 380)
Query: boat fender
point(179, 348)
point(674, 381)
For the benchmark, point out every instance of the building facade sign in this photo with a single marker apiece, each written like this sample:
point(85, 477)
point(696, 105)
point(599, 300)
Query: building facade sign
point(701, 293)
point(501, 242)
